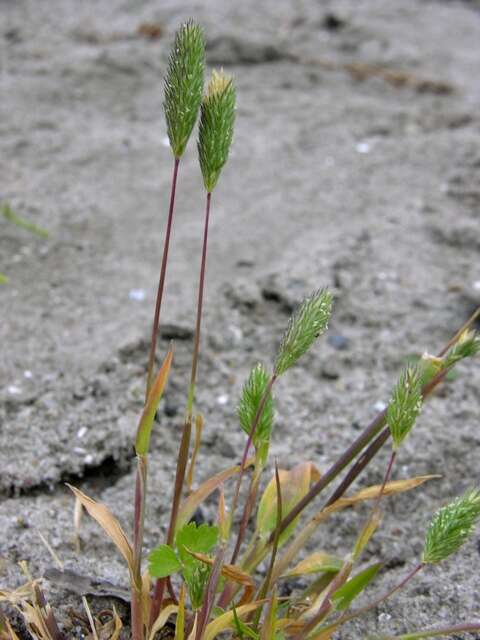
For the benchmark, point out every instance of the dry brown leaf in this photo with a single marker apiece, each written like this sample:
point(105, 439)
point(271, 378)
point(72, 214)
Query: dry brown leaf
point(109, 524)
point(161, 621)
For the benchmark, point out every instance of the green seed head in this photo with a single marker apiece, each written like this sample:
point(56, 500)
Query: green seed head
point(451, 527)
point(216, 127)
point(467, 346)
point(405, 405)
point(252, 395)
point(308, 323)
point(184, 85)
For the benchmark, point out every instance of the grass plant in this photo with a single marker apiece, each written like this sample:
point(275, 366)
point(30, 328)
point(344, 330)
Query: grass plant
point(204, 580)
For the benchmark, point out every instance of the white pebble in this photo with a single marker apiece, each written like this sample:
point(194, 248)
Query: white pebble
point(362, 147)
point(14, 390)
point(28, 374)
point(223, 399)
point(166, 141)
point(136, 294)
point(476, 285)
point(384, 617)
point(380, 406)
point(81, 432)
point(88, 459)
point(79, 450)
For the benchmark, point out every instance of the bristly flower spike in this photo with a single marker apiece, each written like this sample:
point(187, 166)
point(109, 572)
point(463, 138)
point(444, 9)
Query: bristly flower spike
point(184, 85)
point(306, 325)
point(254, 389)
point(215, 132)
point(405, 405)
point(451, 527)
point(467, 346)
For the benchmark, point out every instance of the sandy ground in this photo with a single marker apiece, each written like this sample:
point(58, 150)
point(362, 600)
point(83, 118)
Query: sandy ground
point(356, 166)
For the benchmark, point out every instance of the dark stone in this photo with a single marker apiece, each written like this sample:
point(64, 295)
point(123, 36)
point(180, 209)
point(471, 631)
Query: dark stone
point(332, 22)
point(170, 409)
point(329, 372)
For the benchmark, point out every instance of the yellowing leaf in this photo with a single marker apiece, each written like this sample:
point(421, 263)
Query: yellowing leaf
point(109, 524)
point(226, 620)
point(366, 533)
point(189, 506)
point(144, 431)
point(294, 484)
point(319, 562)
point(370, 493)
point(161, 621)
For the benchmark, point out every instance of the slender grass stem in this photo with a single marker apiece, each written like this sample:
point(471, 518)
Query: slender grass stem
point(251, 435)
point(355, 613)
point(138, 527)
point(211, 588)
point(386, 479)
point(326, 606)
point(136, 614)
point(411, 574)
point(265, 586)
point(182, 459)
point(201, 288)
point(247, 511)
point(229, 589)
point(464, 627)
point(177, 494)
point(161, 281)
point(374, 513)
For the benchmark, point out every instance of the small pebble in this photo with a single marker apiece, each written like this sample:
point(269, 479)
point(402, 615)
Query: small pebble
point(362, 147)
point(166, 141)
point(329, 372)
point(380, 406)
point(223, 399)
point(170, 409)
point(338, 341)
point(14, 390)
point(476, 285)
point(81, 432)
point(88, 459)
point(384, 617)
point(28, 374)
point(136, 294)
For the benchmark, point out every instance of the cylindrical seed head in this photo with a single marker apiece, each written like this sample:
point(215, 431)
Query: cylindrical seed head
point(216, 127)
point(184, 85)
